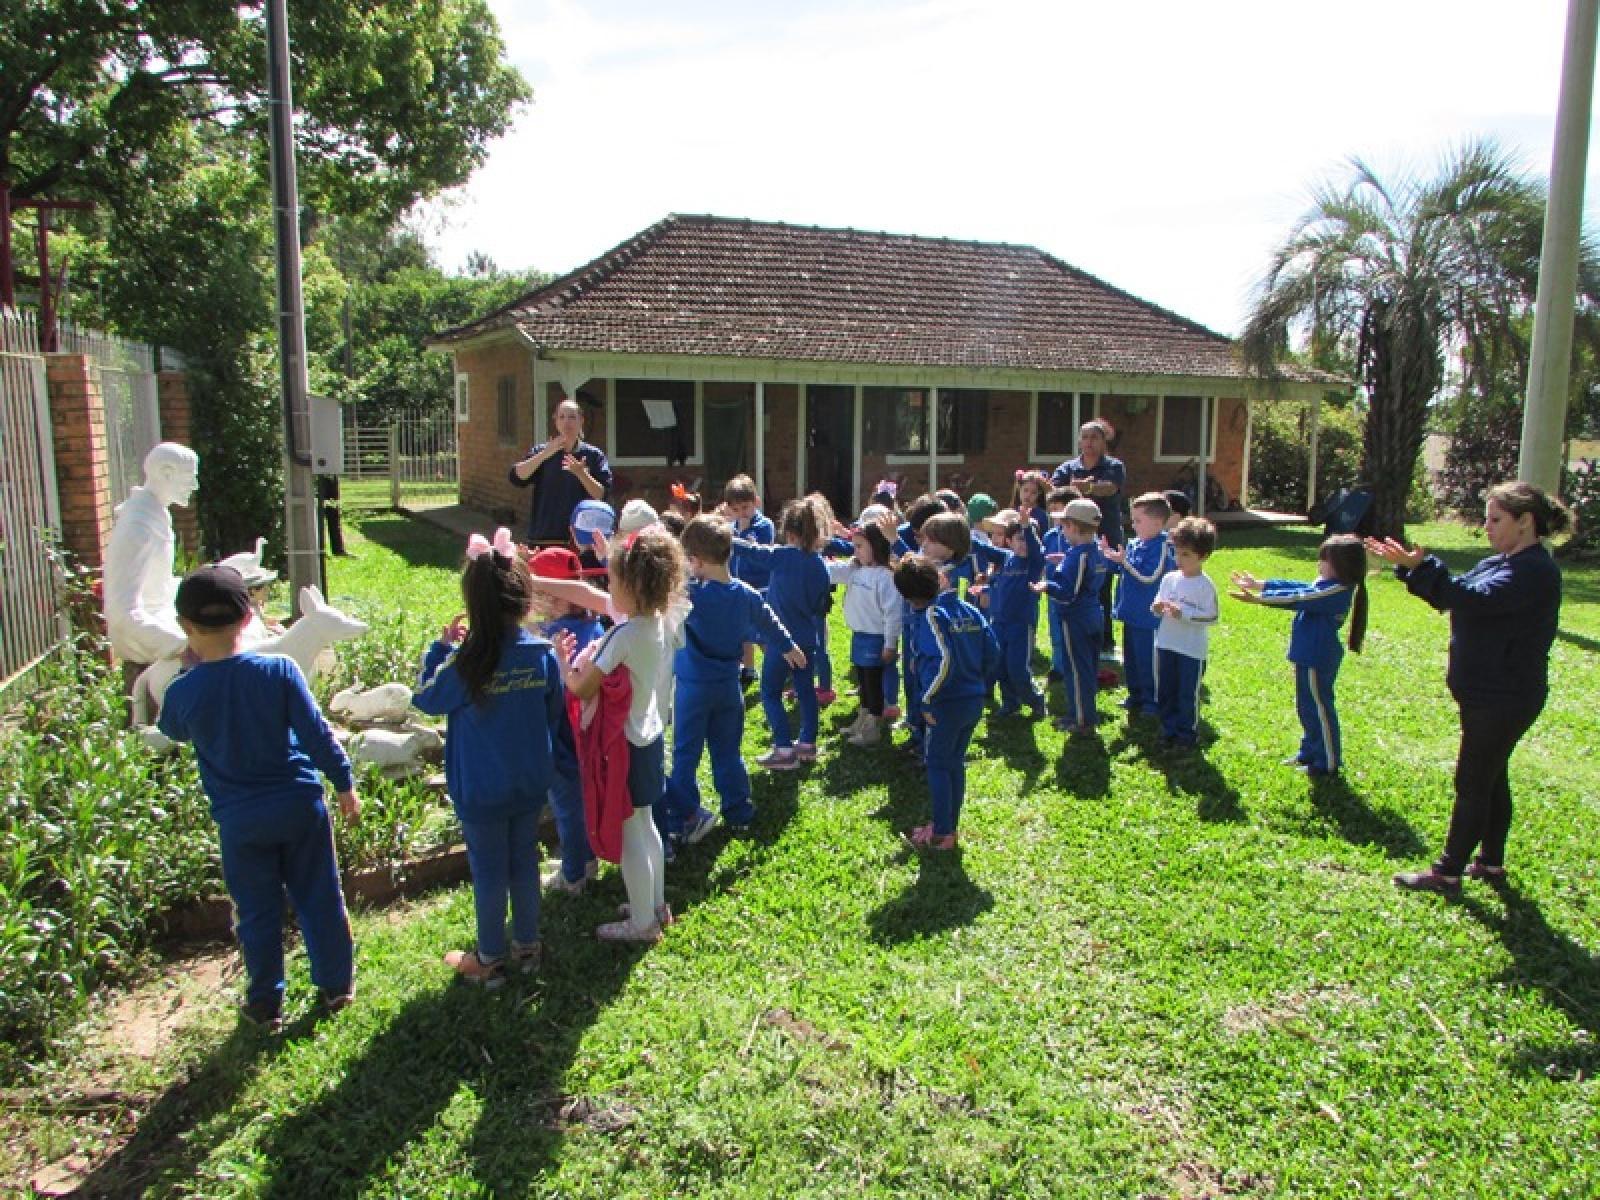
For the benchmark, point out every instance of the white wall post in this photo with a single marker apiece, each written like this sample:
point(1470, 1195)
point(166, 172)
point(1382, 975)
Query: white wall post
point(761, 441)
point(933, 440)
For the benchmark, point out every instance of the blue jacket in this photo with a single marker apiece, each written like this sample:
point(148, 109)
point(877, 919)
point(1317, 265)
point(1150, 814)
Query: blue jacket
point(722, 618)
point(1075, 585)
point(1319, 610)
point(762, 533)
point(953, 650)
point(905, 542)
point(797, 589)
point(1011, 600)
point(1503, 616)
point(585, 628)
point(1148, 559)
point(556, 492)
point(501, 755)
point(1107, 470)
point(258, 736)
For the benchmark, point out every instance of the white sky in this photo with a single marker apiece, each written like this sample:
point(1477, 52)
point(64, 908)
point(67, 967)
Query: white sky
point(1164, 145)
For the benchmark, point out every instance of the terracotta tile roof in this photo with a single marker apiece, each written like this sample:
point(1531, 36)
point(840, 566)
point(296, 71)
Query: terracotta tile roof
point(701, 285)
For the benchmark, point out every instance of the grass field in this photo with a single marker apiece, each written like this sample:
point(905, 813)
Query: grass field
point(1145, 976)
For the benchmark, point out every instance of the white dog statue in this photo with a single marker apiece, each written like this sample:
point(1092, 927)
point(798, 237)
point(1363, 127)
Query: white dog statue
point(393, 747)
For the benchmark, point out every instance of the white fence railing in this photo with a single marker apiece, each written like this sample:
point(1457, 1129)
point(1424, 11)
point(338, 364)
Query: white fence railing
point(415, 455)
point(31, 619)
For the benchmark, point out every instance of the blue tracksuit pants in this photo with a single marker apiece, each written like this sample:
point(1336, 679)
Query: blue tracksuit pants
point(1178, 694)
point(503, 853)
point(1139, 668)
point(1016, 667)
point(945, 753)
point(706, 716)
point(774, 675)
point(1319, 720)
point(1058, 640)
point(823, 667)
point(1080, 682)
point(566, 803)
point(289, 849)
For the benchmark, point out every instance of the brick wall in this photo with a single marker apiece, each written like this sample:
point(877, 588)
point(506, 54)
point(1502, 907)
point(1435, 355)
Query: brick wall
point(172, 398)
point(83, 479)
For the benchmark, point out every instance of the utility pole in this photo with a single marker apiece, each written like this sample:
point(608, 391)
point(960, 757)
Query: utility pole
point(1544, 415)
point(299, 490)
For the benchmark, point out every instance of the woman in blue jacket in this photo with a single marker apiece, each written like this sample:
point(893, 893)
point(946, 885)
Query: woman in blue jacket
point(1503, 617)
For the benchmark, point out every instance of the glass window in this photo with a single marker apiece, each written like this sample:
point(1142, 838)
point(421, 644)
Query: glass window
point(1057, 417)
point(895, 420)
point(1186, 426)
point(654, 420)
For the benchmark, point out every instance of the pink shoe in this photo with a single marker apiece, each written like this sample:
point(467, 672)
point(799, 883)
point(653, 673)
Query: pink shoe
point(778, 760)
point(624, 931)
point(826, 696)
point(664, 915)
point(891, 713)
point(805, 751)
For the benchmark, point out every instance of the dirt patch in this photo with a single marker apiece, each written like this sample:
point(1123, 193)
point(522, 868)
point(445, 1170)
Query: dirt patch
point(1202, 1181)
point(1286, 1009)
point(143, 1022)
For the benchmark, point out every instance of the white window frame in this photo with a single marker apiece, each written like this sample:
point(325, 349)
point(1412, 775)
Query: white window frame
point(463, 398)
point(697, 454)
point(911, 460)
point(1034, 456)
point(1210, 433)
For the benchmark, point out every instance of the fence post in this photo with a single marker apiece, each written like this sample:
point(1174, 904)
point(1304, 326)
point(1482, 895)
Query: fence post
point(394, 464)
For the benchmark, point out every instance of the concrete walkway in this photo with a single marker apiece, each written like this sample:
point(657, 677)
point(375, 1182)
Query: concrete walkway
point(457, 519)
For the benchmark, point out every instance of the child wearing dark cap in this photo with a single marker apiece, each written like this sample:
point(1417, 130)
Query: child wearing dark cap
point(260, 742)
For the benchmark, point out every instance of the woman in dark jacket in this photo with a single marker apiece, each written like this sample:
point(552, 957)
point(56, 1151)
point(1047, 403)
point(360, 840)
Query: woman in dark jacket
point(1502, 622)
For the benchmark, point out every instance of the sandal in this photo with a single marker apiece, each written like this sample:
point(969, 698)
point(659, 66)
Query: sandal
point(524, 958)
point(1478, 869)
point(664, 915)
point(470, 968)
point(624, 931)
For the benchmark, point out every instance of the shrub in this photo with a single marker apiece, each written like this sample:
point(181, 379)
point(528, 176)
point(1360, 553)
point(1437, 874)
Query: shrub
point(1280, 453)
point(1580, 491)
point(1485, 437)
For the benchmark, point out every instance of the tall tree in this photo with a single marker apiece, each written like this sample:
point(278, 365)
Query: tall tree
point(392, 101)
point(1407, 273)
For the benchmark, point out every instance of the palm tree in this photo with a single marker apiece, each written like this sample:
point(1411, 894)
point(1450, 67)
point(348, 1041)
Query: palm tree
point(1406, 275)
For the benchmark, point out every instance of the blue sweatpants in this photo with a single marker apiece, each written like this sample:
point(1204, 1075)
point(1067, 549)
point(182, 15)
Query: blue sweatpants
point(706, 715)
point(1178, 694)
point(1015, 671)
point(1139, 668)
point(287, 849)
point(1058, 640)
point(1319, 719)
point(891, 683)
point(823, 667)
point(945, 752)
point(775, 674)
point(1080, 682)
point(566, 802)
point(503, 853)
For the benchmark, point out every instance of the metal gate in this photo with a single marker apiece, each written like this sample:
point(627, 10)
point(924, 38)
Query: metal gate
point(31, 619)
point(129, 391)
point(407, 460)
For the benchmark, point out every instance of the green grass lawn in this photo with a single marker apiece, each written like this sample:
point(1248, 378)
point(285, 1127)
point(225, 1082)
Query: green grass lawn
point(1145, 975)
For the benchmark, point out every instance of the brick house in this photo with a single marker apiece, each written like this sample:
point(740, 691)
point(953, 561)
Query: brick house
point(809, 358)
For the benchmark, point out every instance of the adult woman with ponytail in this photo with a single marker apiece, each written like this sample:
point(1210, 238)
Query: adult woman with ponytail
point(1503, 617)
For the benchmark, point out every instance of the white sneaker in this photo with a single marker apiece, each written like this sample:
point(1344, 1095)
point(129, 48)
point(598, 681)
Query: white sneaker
point(850, 730)
point(557, 881)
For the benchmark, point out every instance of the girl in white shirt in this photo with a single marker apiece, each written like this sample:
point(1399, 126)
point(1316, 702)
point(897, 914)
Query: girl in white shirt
point(647, 577)
point(1186, 602)
point(872, 611)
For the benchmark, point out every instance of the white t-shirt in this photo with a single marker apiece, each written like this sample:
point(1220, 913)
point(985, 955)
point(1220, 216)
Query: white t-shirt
point(645, 645)
point(871, 603)
point(1196, 596)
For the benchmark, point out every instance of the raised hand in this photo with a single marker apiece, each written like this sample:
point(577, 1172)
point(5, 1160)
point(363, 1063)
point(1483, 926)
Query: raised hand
point(602, 546)
point(1110, 553)
point(456, 631)
point(795, 657)
point(1393, 551)
point(1245, 581)
point(566, 643)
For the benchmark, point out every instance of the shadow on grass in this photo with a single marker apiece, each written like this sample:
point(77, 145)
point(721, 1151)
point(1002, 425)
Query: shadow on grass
point(941, 897)
point(1359, 823)
point(1187, 771)
point(1564, 971)
point(1014, 741)
point(1592, 645)
point(158, 1145)
point(418, 543)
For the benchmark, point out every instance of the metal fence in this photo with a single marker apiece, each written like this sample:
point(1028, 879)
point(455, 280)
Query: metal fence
point(31, 619)
point(127, 373)
point(405, 461)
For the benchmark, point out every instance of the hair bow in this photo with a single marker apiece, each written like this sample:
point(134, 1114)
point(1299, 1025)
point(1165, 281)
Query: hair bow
point(1020, 474)
point(502, 544)
point(679, 492)
point(887, 486)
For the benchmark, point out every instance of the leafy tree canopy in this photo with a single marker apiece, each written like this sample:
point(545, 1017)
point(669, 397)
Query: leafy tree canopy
point(393, 102)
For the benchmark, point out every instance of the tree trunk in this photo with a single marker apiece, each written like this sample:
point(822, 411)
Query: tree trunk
point(1402, 367)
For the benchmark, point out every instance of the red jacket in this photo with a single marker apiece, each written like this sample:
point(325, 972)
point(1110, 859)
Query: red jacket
point(603, 762)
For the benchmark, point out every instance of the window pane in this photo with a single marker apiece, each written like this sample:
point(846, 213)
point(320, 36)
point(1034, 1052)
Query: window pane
point(963, 420)
point(506, 407)
point(1181, 423)
point(1060, 416)
point(635, 437)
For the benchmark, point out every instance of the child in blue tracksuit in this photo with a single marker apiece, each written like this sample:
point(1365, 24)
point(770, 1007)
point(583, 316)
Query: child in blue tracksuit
point(1055, 549)
point(578, 861)
point(1140, 565)
point(708, 708)
point(908, 540)
point(1074, 587)
point(954, 653)
point(946, 539)
point(507, 738)
point(1186, 602)
point(1018, 563)
point(743, 503)
point(797, 590)
point(1319, 610)
point(260, 741)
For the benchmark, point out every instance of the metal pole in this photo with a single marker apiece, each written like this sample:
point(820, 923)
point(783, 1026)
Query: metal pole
point(1545, 413)
point(299, 492)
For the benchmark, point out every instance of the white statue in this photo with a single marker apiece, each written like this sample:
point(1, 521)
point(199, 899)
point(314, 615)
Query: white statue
point(319, 627)
point(394, 747)
point(139, 587)
point(256, 579)
point(386, 704)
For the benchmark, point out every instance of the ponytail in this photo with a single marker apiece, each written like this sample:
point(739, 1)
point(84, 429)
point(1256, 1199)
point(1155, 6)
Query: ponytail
point(1346, 553)
point(1358, 618)
point(498, 592)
